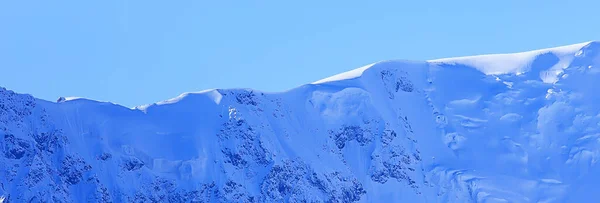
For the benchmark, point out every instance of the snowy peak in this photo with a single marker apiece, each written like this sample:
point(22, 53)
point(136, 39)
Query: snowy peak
point(494, 64)
point(516, 63)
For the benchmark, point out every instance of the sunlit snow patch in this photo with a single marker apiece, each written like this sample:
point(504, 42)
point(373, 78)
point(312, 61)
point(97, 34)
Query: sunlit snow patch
point(517, 63)
point(346, 75)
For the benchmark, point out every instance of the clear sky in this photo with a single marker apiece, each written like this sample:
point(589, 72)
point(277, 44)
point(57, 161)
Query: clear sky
point(140, 52)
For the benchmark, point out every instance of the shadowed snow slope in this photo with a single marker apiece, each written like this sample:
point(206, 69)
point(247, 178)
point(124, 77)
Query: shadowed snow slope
point(494, 128)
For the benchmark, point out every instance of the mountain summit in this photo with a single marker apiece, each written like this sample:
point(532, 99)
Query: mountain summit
point(521, 127)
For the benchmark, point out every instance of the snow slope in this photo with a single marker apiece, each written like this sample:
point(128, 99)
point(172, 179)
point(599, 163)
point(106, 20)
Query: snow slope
point(494, 128)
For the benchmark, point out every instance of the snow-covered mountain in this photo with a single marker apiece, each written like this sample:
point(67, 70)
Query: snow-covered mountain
point(519, 127)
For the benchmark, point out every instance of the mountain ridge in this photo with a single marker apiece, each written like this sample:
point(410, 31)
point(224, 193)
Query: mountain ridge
point(566, 50)
point(400, 131)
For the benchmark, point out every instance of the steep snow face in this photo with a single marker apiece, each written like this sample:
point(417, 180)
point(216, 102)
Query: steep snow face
point(495, 128)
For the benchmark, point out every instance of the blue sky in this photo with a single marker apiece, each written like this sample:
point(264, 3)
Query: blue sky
point(139, 52)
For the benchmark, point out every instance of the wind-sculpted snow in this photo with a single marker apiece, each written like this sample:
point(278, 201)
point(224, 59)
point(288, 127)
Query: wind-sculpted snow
point(493, 128)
